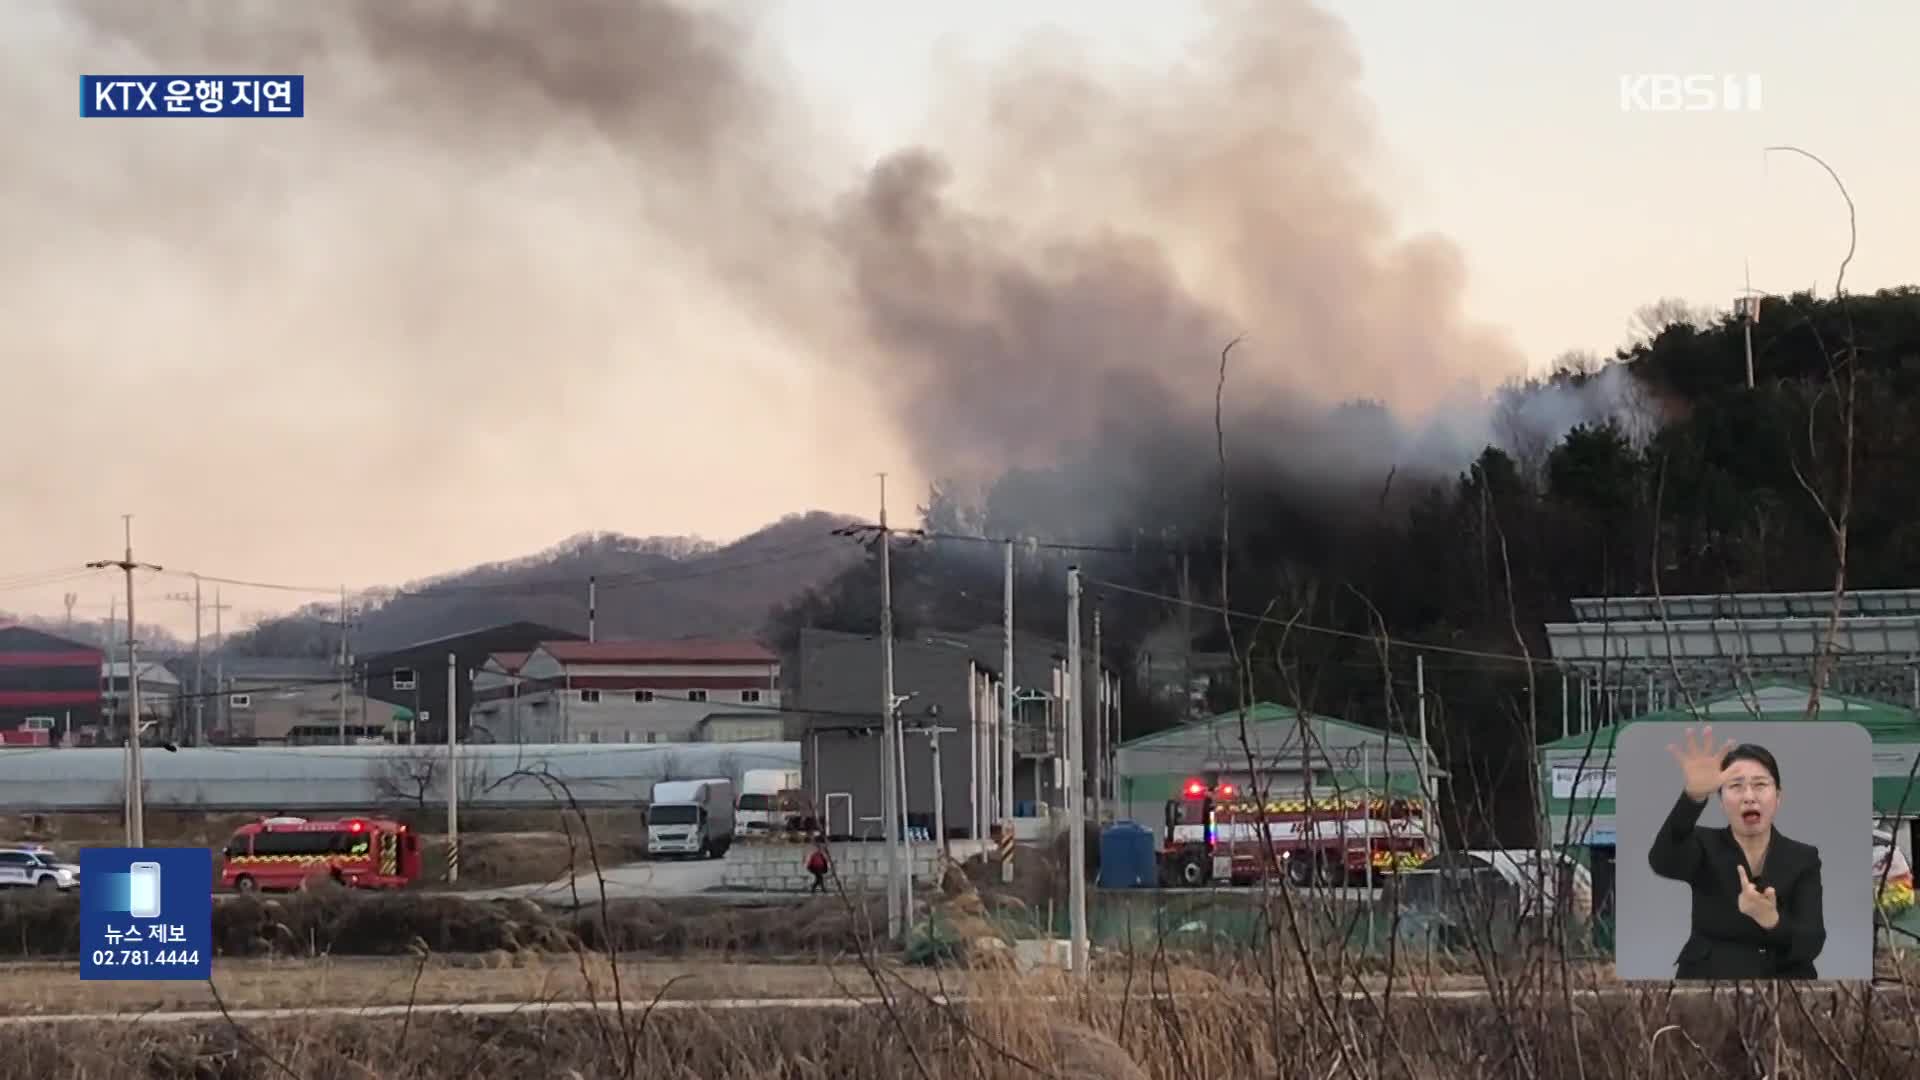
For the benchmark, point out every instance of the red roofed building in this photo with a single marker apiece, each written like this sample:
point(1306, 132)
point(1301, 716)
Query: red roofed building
point(46, 676)
point(627, 691)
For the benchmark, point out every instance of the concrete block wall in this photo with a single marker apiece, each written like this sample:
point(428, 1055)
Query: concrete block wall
point(783, 867)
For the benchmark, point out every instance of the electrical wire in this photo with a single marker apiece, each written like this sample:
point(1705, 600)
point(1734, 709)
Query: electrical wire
point(44, 578)
point(633, 579)
point(1269, 620)
point(1029, 543)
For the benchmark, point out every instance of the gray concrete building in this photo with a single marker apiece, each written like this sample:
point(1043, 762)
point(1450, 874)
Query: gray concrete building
point(838, 684)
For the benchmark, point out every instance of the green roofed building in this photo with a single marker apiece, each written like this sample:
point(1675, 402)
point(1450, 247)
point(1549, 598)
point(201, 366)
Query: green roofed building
point(1291, 755)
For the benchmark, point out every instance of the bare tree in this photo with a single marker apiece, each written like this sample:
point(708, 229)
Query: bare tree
point(1651, 320)
point(1578, 362)
point(416, 777)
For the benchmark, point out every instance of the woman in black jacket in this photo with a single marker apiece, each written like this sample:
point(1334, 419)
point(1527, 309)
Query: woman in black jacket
point(1756, 894)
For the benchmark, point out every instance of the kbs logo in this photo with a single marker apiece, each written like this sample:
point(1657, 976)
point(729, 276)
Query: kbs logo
point(1689, 93)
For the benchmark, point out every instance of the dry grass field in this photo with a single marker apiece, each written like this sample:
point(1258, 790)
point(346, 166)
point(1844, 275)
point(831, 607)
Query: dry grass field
point(1037, 1025)
point(1285, 1004)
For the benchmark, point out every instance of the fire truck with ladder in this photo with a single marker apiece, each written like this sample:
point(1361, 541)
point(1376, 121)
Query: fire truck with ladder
point(1214, 835)
point(290, 853)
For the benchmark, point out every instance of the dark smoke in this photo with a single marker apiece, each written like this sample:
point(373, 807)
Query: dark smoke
point(1055, 288)
point(1118, 230)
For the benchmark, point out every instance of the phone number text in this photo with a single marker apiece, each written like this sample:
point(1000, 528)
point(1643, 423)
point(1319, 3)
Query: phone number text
point(144, 957)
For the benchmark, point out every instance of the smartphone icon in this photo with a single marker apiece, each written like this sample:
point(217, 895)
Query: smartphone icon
point(143, 890)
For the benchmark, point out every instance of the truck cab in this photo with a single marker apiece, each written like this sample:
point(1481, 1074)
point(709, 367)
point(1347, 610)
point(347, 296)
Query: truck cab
point(691, 818)
point(677, 828)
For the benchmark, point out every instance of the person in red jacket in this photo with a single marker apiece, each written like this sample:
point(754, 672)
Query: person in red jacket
point(817, 866)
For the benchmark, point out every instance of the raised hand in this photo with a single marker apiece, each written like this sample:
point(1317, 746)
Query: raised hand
point(1760, 905)
point(1700, 763)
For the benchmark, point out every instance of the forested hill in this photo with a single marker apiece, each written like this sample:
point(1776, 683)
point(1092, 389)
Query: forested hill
point(659, 587)
point(1725, 489)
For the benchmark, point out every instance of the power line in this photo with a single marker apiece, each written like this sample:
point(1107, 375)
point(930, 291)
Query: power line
point(1030, 543)
point(633, 579)
point(1269, 620)
point(45, 578)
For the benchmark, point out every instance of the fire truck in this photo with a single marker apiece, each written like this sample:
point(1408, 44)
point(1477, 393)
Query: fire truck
point(1215, 835)
point(283, 853)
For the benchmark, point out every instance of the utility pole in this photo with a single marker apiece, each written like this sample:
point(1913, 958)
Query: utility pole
point(71, 599)
point(1420, 695)
point(220, 666)
point(1113, 752)
point(1099, 723)
point(933, 732)
point(1076, 779)
point(343, 665)
point(199, 702)
point(453, 768)
point(1007, 711)
point(109, 704)
point(889, 724)
point(136, 780)
point(199, 673)
point(593, 597)
point(1186, 637)
point(977, 730)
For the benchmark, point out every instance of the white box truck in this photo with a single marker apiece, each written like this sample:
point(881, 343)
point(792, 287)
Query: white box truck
point(690, 818)
point(760, 805)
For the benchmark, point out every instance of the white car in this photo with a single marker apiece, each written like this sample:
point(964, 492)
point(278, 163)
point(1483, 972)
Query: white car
point(36, 868)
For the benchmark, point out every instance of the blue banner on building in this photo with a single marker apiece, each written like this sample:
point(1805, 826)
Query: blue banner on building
point(146, 913)
point(193, 95)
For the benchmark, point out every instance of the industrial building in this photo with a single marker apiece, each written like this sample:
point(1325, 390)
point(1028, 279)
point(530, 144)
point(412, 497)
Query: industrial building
point(625, 691)
point(950, 702)
point(159, 696)
point(48, 679)
point(416, 676)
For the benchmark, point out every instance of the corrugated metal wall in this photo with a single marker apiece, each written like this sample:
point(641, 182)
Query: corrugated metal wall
point(266, 779)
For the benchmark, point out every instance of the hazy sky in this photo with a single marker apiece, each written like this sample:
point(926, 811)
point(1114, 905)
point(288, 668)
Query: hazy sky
point(381, 342)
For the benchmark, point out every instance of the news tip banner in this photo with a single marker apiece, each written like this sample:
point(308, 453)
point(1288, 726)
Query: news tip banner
point(146, 914)
point(192, 95)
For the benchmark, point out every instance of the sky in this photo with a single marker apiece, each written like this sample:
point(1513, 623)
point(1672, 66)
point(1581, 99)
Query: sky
point(364, 348)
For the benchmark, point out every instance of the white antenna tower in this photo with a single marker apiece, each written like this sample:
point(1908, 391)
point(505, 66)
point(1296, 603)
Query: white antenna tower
point(1747, 307)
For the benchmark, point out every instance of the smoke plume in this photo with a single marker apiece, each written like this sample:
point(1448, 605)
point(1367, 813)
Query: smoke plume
point(490, 193)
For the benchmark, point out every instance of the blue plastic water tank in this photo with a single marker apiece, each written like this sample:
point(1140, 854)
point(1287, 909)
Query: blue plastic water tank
point(1127, 857)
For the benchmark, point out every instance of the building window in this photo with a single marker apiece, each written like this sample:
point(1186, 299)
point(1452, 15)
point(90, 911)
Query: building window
point(750, 696)
point(696, 695)
point(240, 701)
point(590, 697)
point(641, 697)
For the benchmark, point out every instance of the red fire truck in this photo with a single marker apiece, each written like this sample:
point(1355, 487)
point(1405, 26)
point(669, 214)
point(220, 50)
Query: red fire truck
point(1215, 835)
point(290, 852)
